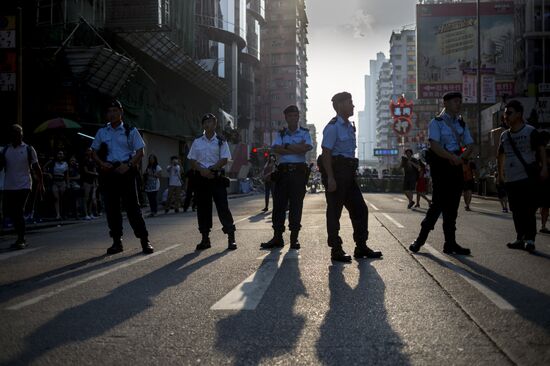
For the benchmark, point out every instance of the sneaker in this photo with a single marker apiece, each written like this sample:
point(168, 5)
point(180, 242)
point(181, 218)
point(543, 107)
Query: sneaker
point(19, 244)
point(530, 246)
point(467, 208)
point(417, 205)
point(518, 244)
point(87, 218)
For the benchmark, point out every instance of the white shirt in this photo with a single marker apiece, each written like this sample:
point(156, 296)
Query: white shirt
point(174, 172)
point(207, 152)
point(18, 172)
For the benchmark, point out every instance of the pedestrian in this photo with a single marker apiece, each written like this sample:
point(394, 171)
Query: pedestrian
point(60, 180)
point(545, 189)
point(117, 149)
point(519, 170)
point(89, 183)
point(74, 191)
point(450, 145)
point(338, 167)
point(174, 185)
point(421, 184)
point(208, 155)
point(410, 168)
point(17, 161)
point(292, 144)
point(469, 172)
point(501, 194)
point(269, 168)
point(151, 178)
point(190, 195)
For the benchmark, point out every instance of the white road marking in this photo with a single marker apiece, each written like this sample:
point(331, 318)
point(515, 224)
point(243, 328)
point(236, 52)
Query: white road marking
point(399, 199)
point(248, 294)
point(393, 221)
point(47, 295)
point(467, 276)
point(17, 253)
point(373, 206)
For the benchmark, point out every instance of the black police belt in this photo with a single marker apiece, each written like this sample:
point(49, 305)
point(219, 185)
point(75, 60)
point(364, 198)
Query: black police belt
point(116, 164)
point(292, 167)
point(345, 161)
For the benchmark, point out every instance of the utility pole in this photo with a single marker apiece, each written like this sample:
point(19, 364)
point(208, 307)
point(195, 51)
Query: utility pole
point(478, 16)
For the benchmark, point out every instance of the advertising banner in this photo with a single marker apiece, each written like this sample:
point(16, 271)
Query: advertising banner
point(447, 48)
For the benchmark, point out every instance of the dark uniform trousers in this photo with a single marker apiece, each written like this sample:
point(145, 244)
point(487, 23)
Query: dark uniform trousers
point(522, 196)
point(117, 187)
point(207, 190)
point(348, 195)
point(447, 181)
point(290, 188)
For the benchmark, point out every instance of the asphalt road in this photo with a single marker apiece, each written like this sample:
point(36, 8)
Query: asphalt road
point(63, 302)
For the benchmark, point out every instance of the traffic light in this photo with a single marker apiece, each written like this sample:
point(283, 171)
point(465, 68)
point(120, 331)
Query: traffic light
point(254, 156)
point(266, 154)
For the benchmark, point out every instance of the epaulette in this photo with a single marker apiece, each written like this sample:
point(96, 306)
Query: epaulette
point(304, 129)
point(333, 121)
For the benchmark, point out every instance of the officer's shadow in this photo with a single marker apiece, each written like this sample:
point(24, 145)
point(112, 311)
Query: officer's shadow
point(356, 329)
point(272, 329)
point(98, 316)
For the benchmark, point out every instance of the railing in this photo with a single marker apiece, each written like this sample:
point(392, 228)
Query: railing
point(220, 23)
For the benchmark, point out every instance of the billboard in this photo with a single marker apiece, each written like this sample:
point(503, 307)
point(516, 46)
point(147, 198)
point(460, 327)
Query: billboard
point(447, 49)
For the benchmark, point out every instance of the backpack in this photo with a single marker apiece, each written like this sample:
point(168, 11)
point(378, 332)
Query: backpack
point(3, 156)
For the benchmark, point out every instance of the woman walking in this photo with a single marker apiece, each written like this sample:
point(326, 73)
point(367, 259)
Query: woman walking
point(152, 183)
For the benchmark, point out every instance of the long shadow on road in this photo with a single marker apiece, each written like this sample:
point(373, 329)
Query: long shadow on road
point(94, 318)
point(272, 329)
point(355, 330)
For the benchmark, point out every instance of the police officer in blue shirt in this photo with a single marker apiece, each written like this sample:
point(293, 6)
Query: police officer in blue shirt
point(450, 147)
point(291, 144)
point(338, 167)
point(118, 149)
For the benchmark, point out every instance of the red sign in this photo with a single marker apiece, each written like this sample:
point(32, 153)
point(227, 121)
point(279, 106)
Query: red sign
point(401, 112)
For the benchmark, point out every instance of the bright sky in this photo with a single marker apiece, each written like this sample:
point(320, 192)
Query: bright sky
point(343, 36)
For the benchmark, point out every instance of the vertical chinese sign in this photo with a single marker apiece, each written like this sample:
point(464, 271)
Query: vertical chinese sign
point(8, 68)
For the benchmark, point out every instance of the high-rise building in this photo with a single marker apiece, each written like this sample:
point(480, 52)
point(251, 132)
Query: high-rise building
point(367, 119)
point(283, 70)
point(385, 137)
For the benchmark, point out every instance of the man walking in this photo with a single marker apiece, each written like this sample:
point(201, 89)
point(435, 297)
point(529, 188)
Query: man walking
point(291, 144)
point(410, 168)
point(118, 149)
point(450, 146)
point(17, 160)
point(339, 168)
point(518, 169)
point(208, 155)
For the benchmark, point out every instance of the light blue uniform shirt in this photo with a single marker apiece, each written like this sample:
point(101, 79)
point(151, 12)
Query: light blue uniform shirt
point(121, 148)
point(288, 137)
point(440, 132)
point(339, 137)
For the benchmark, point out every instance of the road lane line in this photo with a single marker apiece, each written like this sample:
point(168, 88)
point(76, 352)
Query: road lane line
point(393, 221)
point(373, 206)
point(495, 298)
point(17, 253)
point(399, 199)
point(47, 295)
point(248, 294)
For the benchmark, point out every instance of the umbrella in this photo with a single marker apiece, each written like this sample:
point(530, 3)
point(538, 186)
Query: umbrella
point(57, 123)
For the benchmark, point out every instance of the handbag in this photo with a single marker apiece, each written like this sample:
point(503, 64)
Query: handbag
point(532, 170)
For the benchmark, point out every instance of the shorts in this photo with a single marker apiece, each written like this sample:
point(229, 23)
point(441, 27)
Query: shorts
point(468, 185)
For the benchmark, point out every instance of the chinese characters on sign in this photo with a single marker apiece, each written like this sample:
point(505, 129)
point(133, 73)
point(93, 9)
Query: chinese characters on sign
point(8, 56)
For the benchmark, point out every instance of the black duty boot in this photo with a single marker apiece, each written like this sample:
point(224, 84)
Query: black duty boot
point(116, 247)
point(205, 243)
point(294, 243)
point(275, 242)
point(454, 248)
point(338, 254)
point(422, 237)
point(415, 246)
point(146, 246)
point(231, 245)
point(363, 251)
point(20, 243)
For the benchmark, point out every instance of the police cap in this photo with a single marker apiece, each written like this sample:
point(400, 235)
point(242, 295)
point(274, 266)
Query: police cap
point(451, 95)
point(208, 116)
point(114, 103)
point(340, 97)
point(291, 109)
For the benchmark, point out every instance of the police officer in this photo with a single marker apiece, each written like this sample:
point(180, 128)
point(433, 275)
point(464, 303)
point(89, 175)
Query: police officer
point(118, 149)
point(338, 166)
point(291, 144)
point(450, 146)
point(208, 155)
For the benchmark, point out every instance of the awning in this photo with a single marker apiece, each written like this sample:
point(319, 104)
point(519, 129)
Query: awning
point(161, 48)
